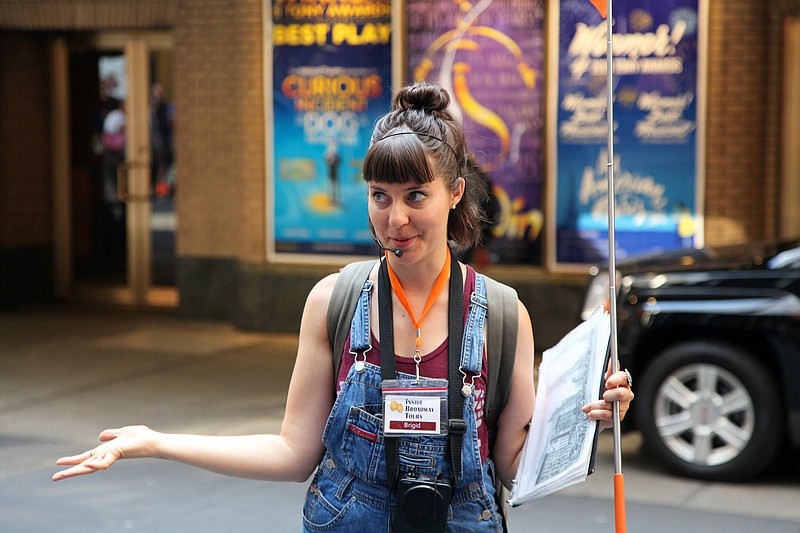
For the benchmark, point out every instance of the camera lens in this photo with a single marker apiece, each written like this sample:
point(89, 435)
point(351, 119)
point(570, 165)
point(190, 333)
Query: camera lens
point(422, 506)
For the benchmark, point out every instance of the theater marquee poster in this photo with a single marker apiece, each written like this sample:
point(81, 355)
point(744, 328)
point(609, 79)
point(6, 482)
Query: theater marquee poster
point(489, 55)
point(658, 140)
point(330, 64)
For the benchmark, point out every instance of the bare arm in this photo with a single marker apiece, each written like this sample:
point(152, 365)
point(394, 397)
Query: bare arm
point(291, 455)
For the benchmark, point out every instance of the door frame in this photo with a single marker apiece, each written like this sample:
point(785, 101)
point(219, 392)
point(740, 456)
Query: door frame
point(138, 290)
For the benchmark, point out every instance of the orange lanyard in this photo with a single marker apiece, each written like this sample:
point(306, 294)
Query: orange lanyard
point(441, 281)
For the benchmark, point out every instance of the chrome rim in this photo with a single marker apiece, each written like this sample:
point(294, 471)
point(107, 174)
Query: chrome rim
point(704, 414)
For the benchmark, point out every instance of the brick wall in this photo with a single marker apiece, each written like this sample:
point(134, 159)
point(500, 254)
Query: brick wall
point(206, 131)
point(87, 14)
point(26, 202)
point(743, 118)
point(250, 44)
point(219, 131)
point(26, 198)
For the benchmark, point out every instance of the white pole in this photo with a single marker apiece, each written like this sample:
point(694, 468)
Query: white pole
point(619, 483)
point(612, 262)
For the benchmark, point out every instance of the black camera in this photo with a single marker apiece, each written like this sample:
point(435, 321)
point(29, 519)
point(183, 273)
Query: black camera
point(422, 505)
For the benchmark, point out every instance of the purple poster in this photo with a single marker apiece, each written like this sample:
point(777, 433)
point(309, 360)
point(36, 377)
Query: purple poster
point(657, 111)
point(489, 55)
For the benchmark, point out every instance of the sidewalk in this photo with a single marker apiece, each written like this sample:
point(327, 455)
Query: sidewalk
point(67, 373)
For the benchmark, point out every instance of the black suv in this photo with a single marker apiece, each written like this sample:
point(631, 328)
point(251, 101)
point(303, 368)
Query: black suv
point(712, 338)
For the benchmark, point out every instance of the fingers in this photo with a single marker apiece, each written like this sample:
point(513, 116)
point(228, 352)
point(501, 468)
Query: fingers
point(90, 461)
point(617, 390)
point(602, 412)
point(102, 458)
point(604, 408)
point(71, 472)
point(599, 410)
point(74, 459)
point(82, 464)
point(618, 379)
point(110, 434)
point(618, 394)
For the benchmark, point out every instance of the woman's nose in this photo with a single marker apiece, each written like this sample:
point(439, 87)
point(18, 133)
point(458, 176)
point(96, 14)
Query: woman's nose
point(398, 216)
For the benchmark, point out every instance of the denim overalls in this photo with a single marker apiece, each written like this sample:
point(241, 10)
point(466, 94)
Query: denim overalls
point(349, 491)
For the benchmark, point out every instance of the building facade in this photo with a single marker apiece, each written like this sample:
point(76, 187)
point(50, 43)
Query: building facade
point(208, 57)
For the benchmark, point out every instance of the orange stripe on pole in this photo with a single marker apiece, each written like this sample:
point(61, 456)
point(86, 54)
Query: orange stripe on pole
point(619, 502)
point(601, 6)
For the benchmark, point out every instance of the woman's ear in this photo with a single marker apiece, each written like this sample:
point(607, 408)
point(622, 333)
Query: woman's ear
point(461, 185)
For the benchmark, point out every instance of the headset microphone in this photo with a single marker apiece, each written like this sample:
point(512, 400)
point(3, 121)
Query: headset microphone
point(396, 251)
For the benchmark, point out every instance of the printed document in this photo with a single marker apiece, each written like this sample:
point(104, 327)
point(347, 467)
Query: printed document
point(560, 447)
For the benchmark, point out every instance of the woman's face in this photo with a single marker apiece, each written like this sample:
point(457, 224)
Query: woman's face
point(412, 216)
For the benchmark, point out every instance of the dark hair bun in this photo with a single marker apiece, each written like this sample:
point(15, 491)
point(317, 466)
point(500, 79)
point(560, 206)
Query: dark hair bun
point(423, 96)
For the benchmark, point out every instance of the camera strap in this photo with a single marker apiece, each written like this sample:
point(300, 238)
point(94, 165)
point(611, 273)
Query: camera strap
point(457, 424)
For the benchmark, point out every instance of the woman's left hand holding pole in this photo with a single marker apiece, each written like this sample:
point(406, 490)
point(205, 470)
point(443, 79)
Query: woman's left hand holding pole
point(617, 389)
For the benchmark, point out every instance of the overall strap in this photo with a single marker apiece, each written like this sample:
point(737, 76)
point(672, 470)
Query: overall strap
point(472, 348)
point(360, 332)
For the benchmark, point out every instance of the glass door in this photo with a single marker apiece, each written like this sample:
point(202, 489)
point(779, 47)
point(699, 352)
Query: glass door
point(119, 207)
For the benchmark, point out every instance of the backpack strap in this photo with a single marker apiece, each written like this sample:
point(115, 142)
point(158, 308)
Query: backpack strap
point(343, 304)
point(501, 346)
point(501, 349)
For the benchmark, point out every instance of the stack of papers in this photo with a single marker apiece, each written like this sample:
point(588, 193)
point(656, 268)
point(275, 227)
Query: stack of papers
point(561, 443)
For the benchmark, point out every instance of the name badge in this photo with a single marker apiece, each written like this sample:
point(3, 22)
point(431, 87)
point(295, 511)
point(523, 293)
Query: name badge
point(415, 407)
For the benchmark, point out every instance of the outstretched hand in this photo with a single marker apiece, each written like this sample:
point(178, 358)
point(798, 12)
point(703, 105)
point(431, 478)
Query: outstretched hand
point(617, 389)
point(130, 441)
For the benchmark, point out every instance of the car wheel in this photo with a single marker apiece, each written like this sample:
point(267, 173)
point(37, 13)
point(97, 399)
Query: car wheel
point(709, 410)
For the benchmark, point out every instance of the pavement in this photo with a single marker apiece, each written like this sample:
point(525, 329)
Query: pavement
point(68, 372)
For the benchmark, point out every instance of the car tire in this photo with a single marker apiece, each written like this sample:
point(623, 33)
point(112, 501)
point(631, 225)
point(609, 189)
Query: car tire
point(709, 410)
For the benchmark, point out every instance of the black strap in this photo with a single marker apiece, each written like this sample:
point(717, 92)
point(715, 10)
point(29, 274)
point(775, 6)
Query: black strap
point(457, 424)
point(388, 366)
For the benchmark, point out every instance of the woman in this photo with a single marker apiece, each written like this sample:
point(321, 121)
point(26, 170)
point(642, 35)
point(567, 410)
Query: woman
point(419, 200)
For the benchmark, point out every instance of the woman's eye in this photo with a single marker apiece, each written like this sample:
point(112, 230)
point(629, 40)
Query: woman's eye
point(417, 196)
point(378, 196)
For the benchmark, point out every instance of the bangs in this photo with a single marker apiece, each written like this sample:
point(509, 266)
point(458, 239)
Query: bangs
point(399, 159)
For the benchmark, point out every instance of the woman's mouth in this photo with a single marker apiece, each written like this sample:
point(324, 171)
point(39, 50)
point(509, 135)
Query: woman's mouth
point(401, 242)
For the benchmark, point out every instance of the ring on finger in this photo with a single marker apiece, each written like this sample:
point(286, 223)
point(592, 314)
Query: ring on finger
point(630, 378)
